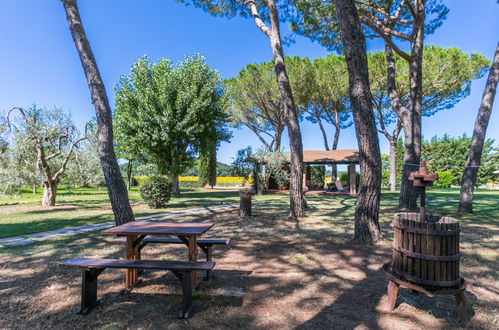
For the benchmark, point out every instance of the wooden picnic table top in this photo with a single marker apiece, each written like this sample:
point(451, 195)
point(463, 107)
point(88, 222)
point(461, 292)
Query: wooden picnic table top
point(160, 228)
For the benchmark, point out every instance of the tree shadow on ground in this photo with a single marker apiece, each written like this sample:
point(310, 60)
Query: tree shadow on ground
point(292, 274)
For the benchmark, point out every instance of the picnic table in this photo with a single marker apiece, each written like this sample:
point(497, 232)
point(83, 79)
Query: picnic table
point(136, 231)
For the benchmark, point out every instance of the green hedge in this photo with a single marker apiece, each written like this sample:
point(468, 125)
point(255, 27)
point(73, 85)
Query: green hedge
point(344, 178)
point(444, 180)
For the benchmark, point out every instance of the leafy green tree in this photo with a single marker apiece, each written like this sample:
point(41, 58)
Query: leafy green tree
point(244, 163)
point(208, 163)
point(203, 169)
point(449, 154)
point(447, 76)
point(168, 112)
point(45, 140)
point(263, 13)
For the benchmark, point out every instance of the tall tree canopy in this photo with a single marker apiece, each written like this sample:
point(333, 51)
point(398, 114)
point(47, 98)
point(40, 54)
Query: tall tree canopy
point(169, 111)
point(321, 89)
point(265, 15)
point(447, 76)
point(402, 24)
point(255, 103)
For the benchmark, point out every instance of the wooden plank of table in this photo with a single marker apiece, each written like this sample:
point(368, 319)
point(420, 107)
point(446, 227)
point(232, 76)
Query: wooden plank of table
point(160, 228)
point(131, 254)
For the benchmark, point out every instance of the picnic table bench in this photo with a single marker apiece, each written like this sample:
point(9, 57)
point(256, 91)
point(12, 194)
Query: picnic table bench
point(206, 245)
point(92, 267)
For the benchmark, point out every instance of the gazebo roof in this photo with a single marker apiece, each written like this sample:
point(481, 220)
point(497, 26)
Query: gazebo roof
point(325, 157)
point(331, 156)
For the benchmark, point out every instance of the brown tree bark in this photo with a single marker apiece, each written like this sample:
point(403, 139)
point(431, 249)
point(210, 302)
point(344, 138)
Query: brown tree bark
point(336, 140)
point(118, 194)
point(175, 183)
point(411, 124)
point(277, 138)
point(392, 140)
point(367, 208)
point(410, 117)
point(476, 148)
point(297, 198)
point(49, 192)
point(129, 174)
point(393, 165)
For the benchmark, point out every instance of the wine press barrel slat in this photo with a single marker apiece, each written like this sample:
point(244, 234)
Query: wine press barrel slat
point(426, 253)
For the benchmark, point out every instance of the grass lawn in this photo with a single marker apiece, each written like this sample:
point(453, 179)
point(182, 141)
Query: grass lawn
point(91, 205)
point(304, 274)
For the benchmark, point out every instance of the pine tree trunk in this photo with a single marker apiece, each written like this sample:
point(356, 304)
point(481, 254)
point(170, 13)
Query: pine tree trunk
point(277, 139)
point(116, 187)
point(367, 207)
point(296, 196)
point(412, 122)
point(477, 142)
point(336, 139)
point(412, 152)
point(393, 164)
point(49, 193)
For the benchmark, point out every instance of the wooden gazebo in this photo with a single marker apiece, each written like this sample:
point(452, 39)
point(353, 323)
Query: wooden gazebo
point(331, 157)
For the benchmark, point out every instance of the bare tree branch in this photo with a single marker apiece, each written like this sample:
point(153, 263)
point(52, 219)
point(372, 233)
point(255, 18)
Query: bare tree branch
point(256, 16)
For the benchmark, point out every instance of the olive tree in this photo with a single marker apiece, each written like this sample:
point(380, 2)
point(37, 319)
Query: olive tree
point(49, 139)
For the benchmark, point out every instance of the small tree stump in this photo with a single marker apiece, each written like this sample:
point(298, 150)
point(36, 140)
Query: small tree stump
point(245, 205)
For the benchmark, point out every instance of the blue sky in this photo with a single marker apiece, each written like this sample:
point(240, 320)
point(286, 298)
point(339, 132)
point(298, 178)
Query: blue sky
point(38, 61)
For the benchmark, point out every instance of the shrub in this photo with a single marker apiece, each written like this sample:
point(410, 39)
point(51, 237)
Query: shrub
point(317, 175)
point(385, 177)
point(345, 181)
point(444, 180)
point(141, 179)
point(156, 191)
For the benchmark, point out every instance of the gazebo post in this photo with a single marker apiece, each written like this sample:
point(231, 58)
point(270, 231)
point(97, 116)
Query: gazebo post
point(352, 182)
point(306, 175)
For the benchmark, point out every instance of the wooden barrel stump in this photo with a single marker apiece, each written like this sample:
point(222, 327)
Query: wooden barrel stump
point(245, 205)
point(426, 253)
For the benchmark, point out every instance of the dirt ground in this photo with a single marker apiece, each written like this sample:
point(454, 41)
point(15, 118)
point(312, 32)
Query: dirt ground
point(277, 274)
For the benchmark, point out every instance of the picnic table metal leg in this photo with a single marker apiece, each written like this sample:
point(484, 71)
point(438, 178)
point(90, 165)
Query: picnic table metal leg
point(193, 256)
point(89, 290)
point(208, 250)
point(186, 294)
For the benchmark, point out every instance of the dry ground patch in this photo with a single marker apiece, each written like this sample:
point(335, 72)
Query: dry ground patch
point(303, 274)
